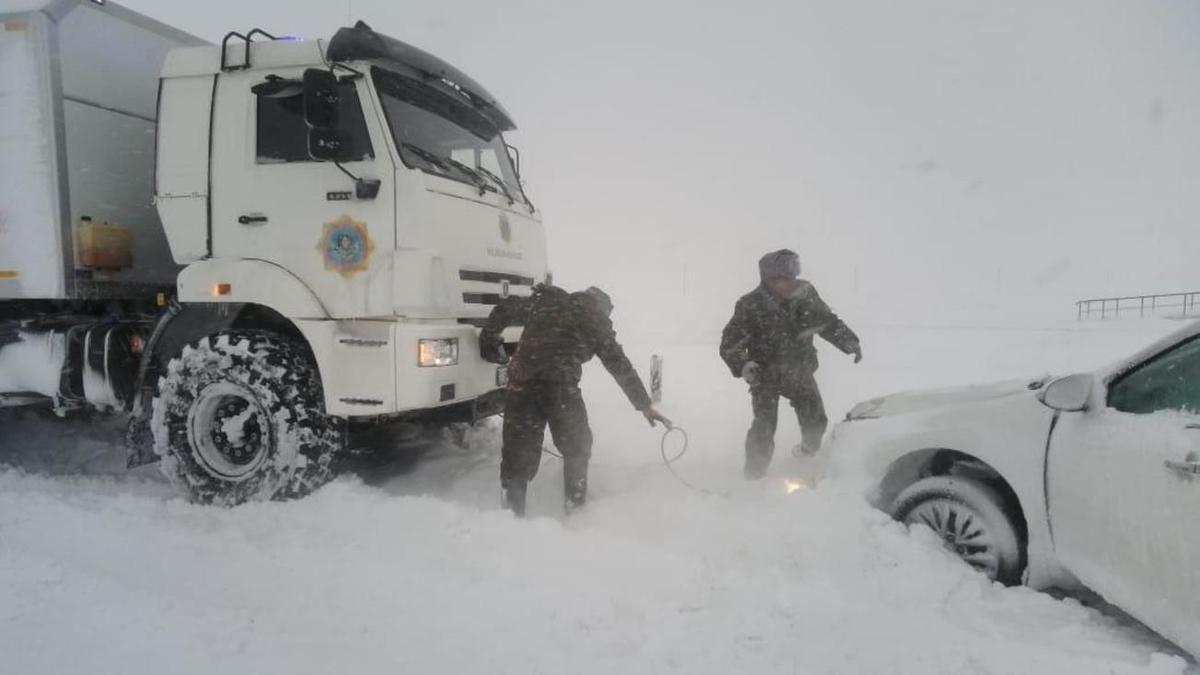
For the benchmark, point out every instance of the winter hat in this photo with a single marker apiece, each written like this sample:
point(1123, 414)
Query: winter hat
point(781, 263)
point(603, 302)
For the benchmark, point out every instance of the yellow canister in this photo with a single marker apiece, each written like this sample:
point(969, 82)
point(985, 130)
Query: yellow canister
point(104, 246)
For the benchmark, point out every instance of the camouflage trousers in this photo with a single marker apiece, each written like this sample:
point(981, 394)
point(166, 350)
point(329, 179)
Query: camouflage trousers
point(528, 408)
point(801, 390)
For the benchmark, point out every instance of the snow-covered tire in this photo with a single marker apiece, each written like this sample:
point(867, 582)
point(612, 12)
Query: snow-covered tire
point(971, 520)
point(240, 417)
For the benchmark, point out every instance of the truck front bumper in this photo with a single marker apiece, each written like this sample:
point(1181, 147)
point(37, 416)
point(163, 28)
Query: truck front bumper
point(370, 368)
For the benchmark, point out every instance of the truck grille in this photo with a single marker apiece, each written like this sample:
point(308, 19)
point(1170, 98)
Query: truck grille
point(503, 284)
point(495, 277)
point(482, 298)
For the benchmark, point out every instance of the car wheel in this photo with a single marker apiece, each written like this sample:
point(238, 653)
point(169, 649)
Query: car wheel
point(970, 519)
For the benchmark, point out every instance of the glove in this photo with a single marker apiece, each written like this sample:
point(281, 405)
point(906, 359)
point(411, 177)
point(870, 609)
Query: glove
point(493, 353)
point(653, 416)
point(857, 353)
point(751, 373)
point(497, 354)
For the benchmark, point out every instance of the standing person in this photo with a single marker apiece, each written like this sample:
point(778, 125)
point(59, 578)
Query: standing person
point(769, 344)
point(562, 331)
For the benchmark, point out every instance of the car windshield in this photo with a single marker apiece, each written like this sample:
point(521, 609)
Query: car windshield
point(444, 136)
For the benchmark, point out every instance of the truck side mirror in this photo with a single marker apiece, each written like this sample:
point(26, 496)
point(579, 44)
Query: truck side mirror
point(326, 142)
point(321, 98)
point(329, 145)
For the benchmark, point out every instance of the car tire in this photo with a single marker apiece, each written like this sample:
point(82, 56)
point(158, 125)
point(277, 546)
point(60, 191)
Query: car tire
point(240, 417)
point(971, 520)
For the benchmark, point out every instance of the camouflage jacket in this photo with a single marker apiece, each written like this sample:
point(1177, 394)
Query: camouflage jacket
point(562, 332)
point(779, 334)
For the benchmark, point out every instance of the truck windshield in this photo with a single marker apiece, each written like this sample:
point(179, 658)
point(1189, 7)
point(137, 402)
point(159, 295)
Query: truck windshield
point(444, 136)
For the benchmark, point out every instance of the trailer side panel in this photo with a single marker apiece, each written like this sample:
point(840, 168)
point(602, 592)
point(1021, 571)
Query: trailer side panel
point(31, 248)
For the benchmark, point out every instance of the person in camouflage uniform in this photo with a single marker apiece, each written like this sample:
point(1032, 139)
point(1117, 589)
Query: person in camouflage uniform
point(562, 331)
point(769, 344)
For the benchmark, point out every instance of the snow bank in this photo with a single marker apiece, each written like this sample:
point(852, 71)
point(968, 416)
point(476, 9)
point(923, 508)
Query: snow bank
point(419, 571)
point(104, 580)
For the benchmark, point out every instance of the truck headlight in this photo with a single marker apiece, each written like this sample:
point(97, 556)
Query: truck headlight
point(439, 352)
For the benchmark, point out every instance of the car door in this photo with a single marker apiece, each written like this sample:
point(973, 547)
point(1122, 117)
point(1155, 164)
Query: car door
point(1123, 482)
point(272, 202)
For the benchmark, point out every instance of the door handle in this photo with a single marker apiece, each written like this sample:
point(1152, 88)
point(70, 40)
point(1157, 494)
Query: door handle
point(1194, 427)
point(1186, 469)
point(252, 218)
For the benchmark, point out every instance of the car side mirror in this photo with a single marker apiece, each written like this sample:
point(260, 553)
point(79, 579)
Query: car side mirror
point(1072, 393)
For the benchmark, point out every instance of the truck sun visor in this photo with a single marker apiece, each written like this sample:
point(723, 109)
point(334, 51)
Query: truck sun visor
point(363, 43)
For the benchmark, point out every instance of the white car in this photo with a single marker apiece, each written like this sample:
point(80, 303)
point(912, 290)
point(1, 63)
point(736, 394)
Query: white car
point(1091, 478)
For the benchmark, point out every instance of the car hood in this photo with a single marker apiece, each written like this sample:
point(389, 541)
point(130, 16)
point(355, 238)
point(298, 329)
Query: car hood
point(918, 401)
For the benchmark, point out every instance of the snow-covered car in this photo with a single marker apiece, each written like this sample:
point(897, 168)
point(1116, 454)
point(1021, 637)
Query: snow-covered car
point(1092, 478)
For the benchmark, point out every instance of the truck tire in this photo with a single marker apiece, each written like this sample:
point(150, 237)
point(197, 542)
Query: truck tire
point(239, 416)
point(971, 520)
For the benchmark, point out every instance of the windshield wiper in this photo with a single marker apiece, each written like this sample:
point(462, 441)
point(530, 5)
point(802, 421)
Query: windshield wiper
point(479, 181)
point(449, 163)
point(429, 157)
point(499, 182)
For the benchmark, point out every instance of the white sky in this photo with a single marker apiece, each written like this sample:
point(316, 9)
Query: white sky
point(922, 156)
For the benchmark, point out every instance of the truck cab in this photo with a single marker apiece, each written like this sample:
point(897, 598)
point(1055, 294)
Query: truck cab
point(414, 230)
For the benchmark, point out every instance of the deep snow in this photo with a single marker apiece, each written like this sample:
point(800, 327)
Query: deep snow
point(402, 569)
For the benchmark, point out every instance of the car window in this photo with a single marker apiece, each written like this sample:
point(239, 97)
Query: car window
point(283, 135)
point(1169, 381)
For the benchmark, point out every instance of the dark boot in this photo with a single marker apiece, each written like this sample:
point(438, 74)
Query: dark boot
point(575, 485)
point(514, 497)
point(810, 444)
point(756, 465)
point(810, 440)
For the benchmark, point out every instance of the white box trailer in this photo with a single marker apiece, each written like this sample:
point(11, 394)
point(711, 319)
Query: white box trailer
point(78, 100)
point(253, 248)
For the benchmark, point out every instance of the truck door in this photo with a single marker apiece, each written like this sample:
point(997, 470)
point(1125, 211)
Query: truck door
point(272, 202)
point(1124, 493)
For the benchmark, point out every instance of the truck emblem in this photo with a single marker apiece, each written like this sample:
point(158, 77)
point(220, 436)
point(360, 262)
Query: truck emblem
point(345, 246)
point(505, 229)
point(504, 288)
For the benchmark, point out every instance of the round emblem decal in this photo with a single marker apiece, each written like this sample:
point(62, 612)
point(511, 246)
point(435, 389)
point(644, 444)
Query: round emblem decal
point(346, 246)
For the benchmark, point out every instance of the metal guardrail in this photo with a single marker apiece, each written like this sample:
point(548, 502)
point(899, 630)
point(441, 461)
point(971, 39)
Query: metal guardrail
point(1173, 305)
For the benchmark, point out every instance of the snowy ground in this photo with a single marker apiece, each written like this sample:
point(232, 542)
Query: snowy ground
point(402, 569)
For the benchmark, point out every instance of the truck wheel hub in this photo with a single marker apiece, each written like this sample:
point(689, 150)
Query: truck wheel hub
point(229, 431)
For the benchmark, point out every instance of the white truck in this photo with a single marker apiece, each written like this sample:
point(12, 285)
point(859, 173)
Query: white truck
point(254, 248)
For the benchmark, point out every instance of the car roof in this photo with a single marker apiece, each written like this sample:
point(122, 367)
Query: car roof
point(1188, 331)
